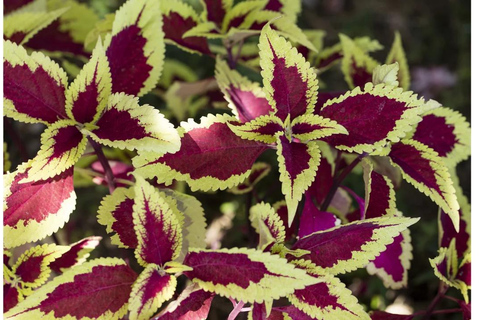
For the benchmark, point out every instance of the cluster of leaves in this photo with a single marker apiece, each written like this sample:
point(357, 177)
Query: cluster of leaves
point(304, 241)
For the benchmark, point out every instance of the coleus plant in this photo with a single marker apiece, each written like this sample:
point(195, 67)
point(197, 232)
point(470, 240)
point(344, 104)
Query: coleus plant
point(320, 230)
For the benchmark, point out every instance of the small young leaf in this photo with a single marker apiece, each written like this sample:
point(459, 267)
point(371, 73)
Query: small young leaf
point(87, 96)
point(150, 290)
point(267, 223)
point(158, 231)
point(387, 74)
point(259, 171)
point(329, 300)
point(34, 86)
point(32, 267)
point(94, 290)
point(77, 253)
point(135, 48)
point(116, 213)
point(245, 274)
point(397, 54)
point(35, 210)
point(211, 156)
point(289, 83)
point(350, 246)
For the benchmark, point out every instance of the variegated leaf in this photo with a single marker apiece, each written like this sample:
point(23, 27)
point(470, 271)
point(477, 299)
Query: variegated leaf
point(290, 8)
point(34, 210)
point(262, 129)
point(245, 274)
point(382, 315)
point(308, 127)
point(22, 26)
point(193, 303)
point(246, 99)
point(126, 124)
point(329, 300)
point(267, 223)
point(97, 289)
point(397, 54)
point(290, 84)
point(211, 156)
point(76, 254)
point(62, 145)
point(424, 169)
point(387, 74)
point(34, 86)
point(215, 10)
point(372, 116)
point(298, 164)
point(150, 290)
point(178, 18)
point(313, 220)
point(239, 17)
point(350, 246)
point(158, 230)
point(135, 48)
point(87, 95)
point(11, 296)
point(357, 65)
point(447, 132)
point(32, 267)
point(116, 213)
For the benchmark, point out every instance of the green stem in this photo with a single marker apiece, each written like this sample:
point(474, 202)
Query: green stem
point(338, 180)
point(109, 177)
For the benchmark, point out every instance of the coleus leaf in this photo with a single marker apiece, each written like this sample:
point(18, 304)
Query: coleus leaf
point(22, 26)
point(21, 5)
point(192, 304)
point(158, 231)
point(62, 145)
point(238, 17)
point(245, 98)
point(150, 290)
point(135, 48)
point(178, 18)
point(35, 210)
point(126, 124)
point(259, 171)
point(211, 156)
point(424, 169)
point(328, 299)
point(87, 95)
point(68, 33)
point(97, 289)
point(320, 187)
point(361, 241)
point(290, 8)
point(245, 274)
point(447, 132)
point(397, 54)
point(386, 73)
point(372, 117)
point(313, 220)
point(298, 163)
point(267, 224)
point(382, 315)
point(34, 86)
point(11, 296)
point(32, 267)
point(290, 85)
point(215, 10)
point(357, 66)
point(76, 254)
point(116, 213)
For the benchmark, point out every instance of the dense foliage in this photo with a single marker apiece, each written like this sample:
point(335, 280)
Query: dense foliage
point(174, 152)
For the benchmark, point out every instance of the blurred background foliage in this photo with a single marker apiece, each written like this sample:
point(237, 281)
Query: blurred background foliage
point(436, 36)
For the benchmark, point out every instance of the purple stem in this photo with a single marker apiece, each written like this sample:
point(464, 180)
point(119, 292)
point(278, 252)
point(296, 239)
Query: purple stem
point(104, 162)
point(435, 301)
point(338, 180)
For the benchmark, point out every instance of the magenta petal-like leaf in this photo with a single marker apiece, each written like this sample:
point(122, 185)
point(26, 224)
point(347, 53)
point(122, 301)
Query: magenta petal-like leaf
point(34, 86)
point(215, 10)
point(211, 157)
point(158, 230)
point(379, 193)
point(34, 210)
point(97, 289)
point(77, 254)
point(313, 220)
point(11, 296)
point(135, 48)
point(350, 246)
point(372, 117)
point(448, 232)
point(190, 305)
